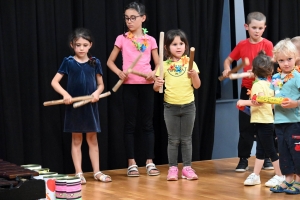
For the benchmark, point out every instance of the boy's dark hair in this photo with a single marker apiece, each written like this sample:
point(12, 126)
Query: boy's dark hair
point(85, 34)
point(257, 16)
point(262, 65)
point(169, 37)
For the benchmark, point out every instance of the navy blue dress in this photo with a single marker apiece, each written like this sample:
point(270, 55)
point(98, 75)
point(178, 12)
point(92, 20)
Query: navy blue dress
point(81, 81)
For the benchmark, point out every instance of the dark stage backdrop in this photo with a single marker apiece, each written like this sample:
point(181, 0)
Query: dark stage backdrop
point(33, 43)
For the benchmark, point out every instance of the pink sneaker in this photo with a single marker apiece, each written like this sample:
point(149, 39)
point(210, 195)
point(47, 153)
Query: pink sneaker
point(189, 173)
point(172, 174)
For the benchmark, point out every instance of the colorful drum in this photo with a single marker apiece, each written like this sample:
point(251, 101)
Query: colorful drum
point(32, 166)
point(68, 188)
point(42, 174)
point(50, 185)
point(42, 170)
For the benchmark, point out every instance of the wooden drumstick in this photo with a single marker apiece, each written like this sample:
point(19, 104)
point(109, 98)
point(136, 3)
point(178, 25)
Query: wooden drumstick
point(120, 82)
point(239, 75)
point(192, 54)
point(81, 103)
point(161, 58)
point(137, 73)
point(61, 101)
point(237, 68)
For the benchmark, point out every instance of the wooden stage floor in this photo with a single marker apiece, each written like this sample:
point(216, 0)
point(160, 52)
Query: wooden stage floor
point(217, 180)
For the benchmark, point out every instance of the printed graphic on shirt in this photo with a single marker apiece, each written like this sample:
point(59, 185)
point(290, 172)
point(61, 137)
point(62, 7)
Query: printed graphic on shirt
point(176, 70)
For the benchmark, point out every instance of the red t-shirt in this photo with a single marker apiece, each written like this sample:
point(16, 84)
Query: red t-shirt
point(246, 49)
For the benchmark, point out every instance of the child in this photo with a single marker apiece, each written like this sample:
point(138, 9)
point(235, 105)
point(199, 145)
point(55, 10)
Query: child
point(248, 48)
point(179, 105)
point(296, 42)
point(262, 118)
point(84, 78)
point(137, 91)
point(286, 83)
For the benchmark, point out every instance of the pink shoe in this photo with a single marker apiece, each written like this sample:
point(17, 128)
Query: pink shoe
point(189, 173)
point(172, 174)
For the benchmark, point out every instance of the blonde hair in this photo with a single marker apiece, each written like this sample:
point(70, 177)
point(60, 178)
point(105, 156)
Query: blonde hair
point(285, 47)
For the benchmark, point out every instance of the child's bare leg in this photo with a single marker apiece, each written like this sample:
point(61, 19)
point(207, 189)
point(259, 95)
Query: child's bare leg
point(92, 141)
point(76, 151)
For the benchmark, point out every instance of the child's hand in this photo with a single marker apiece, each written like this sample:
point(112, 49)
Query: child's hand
point(251, 75)
point(239, 103)
point(192, 73)
point(289, 103)
point(159, 82)
point(225, 72)
point(151, 76)
point(95, 95)
point(122, 75)
point(67, 99)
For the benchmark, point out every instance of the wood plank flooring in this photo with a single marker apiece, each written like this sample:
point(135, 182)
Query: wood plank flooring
point(217, 180)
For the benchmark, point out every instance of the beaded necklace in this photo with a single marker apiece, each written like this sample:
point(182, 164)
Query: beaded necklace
point(139, 46)
point(279, 81)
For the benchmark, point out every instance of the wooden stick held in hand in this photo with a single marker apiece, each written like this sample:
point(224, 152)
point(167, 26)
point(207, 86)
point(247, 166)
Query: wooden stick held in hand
point(239, 75)
point(61, 101)
point(137, 73)
point(237, 68)
point(120, 82)
point(161, 58)
point(81, 103)
point(192, 54)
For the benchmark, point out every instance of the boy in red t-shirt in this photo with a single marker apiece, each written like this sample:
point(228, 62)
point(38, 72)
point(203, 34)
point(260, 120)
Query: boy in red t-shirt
point(248, 48)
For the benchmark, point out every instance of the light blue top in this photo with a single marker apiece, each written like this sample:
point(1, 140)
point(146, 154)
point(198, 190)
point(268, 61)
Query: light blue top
point(289, 89)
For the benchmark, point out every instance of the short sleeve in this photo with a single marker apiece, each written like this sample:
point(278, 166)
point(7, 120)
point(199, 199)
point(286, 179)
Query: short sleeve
point(98, 67)
point(64, 67)
point(153, 43)
point(119, 41)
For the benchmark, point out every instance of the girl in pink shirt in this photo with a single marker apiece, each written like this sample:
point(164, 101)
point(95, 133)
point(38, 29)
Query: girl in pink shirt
point(138, 94)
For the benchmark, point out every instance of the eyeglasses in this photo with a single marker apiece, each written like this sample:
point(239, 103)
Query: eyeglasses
point(132, 18)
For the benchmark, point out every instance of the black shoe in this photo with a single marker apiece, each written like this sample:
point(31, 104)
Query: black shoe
point(242, 166)
point(268, 164)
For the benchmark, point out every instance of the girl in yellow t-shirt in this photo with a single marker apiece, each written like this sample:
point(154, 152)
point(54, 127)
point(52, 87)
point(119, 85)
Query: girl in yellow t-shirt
point(262, 118)
point(179, 105)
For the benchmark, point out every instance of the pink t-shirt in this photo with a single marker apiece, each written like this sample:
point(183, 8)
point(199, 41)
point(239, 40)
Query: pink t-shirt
point(130, 53)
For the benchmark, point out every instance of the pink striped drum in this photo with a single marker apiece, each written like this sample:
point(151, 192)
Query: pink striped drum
point(68, 188)
point(50, 185)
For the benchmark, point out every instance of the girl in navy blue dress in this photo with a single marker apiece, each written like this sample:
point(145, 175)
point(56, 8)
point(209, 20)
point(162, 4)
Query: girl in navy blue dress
point(84, 78)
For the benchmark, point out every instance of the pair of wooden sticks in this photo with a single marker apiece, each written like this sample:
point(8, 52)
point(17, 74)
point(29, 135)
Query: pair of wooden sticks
point(78, 101)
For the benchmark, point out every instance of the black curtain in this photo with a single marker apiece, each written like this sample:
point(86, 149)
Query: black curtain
point(33, 43)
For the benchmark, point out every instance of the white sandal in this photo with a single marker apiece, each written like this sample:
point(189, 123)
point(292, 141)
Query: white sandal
point(151, 166)
point(102, 178)
point(133, 168)
point(82, 179)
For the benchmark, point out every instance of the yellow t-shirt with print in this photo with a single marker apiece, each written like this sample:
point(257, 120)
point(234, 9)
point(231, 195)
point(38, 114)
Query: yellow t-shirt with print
point(178, 87)
point(263, 113)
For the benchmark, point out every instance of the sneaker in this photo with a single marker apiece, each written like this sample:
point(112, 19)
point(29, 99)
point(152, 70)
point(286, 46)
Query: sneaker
point(172, 174)
point(267, 164)
point(252, 179)
point(242, 166)
point(275, 180)
point(188, 173)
